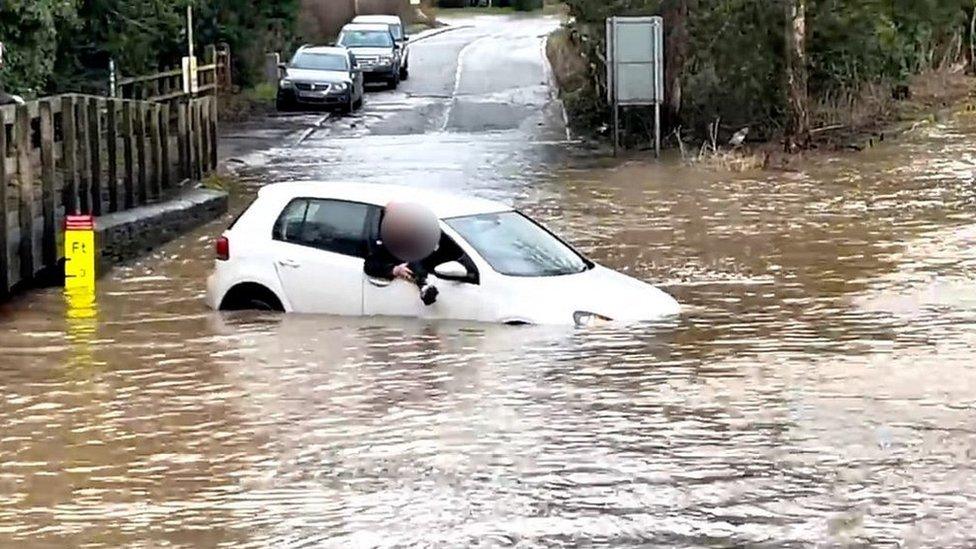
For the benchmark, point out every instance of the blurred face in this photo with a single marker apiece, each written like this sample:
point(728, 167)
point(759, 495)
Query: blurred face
point(410, 231)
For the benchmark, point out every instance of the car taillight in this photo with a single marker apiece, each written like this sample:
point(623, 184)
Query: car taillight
point(222, 248)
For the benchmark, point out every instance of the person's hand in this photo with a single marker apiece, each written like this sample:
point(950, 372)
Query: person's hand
point(403, 271)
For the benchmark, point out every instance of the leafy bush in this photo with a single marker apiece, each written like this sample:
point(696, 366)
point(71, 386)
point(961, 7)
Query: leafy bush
point(735, 67)
point(66, 45)
point(30, 30)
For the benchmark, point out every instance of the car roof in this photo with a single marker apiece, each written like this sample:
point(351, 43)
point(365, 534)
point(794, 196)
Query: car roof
point(335, 50)
point(443, 204)
point(368, 27)
point(387, 19)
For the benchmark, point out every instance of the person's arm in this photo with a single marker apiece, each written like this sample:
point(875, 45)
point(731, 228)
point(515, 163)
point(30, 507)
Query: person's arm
point(379, 266)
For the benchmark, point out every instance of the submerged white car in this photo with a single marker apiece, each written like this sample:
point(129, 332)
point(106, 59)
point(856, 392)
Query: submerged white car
point(300, 247)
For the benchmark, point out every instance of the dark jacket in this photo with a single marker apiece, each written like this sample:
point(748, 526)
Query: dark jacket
point(380, 262)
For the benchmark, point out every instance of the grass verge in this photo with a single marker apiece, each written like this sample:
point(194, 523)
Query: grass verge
point(249, 102)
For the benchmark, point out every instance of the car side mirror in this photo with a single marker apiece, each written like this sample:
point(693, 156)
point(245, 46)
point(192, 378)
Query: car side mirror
point(452, 270)
point(406, 38)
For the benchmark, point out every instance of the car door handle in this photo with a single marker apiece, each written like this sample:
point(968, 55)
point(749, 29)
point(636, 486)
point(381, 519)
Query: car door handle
point(379, 282)
point(291, 264)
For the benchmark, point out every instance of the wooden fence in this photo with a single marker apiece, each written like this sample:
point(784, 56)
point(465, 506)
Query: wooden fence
point(85, 154)
point(212, 76)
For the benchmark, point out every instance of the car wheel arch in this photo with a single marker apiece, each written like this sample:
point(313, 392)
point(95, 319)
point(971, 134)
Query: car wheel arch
point(245, 295)
point(517, 322)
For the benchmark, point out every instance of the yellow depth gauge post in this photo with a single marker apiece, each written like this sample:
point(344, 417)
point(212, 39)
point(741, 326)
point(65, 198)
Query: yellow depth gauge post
point(79, 265)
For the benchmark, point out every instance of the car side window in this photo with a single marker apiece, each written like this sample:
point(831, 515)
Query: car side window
point(288, 228)
point(447, 249)
point(329, 225)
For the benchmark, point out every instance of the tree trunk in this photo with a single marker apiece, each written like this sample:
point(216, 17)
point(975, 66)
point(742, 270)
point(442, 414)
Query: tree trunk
point(676, 50)
point(798, 123)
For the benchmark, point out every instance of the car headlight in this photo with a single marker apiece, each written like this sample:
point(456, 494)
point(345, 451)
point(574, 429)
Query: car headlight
point(386, 59)
point(585, 318)
point(342, 86)
point(285, 84)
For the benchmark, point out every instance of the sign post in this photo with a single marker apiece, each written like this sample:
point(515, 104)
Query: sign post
point(635, 68)
point(189, 65)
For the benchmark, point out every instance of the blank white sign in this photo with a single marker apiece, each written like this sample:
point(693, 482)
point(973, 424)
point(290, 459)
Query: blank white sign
point(636, 59)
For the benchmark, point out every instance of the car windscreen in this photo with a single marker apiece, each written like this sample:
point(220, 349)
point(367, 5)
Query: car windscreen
point(366, 39)
point(397, 31)
point(320, 61)
point(514, 245)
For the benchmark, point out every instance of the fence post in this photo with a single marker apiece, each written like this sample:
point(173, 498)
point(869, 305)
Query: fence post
point(95, 137)
point(204, 136)
point(69, 155)
point(112, 136)
point(213, 132)
point(272, 70)
point(155, 151)
point(49, 237)
point(84, 156)
point(112, 78)
point(26, 188)
point(165, 173)
point(140, 129)
point(225, 77)
point(202, 154)
point(210, 58)
point(193, 106)
point(4, 227)
point(182, 132)
point(128, 191)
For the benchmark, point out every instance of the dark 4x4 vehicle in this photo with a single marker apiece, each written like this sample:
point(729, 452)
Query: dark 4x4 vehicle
point(377, 52)
point(399, 34)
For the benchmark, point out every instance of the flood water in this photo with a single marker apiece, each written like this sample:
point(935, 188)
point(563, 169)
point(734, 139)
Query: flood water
point(820, 388)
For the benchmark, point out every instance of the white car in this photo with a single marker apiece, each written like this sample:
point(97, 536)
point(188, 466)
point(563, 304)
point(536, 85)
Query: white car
point(300, 247)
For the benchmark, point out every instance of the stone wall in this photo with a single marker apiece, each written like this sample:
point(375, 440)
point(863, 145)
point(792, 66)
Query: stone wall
point(123, 236)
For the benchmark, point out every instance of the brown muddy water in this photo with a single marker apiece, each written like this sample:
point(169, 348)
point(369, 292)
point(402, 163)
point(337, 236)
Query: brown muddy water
point(820, 388)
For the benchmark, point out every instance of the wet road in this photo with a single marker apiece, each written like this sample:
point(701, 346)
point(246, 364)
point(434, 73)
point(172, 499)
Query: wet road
point(475, 92)
point(818, 390)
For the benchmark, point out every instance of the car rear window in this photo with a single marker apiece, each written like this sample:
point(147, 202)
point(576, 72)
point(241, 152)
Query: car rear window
point(320, 61)
point(329, 225)
point(366, 39)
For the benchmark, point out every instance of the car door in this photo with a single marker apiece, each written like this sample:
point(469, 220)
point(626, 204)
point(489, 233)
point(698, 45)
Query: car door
point(462, 299)
point(319, 249)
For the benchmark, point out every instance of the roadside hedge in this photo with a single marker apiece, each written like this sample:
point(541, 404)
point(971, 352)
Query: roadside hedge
point(729, 54)
point(59, 45)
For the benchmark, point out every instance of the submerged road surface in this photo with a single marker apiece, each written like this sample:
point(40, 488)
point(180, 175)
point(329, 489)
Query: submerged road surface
point(818, 390)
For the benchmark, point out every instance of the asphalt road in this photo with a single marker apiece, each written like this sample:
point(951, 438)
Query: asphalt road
point(479, 98)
